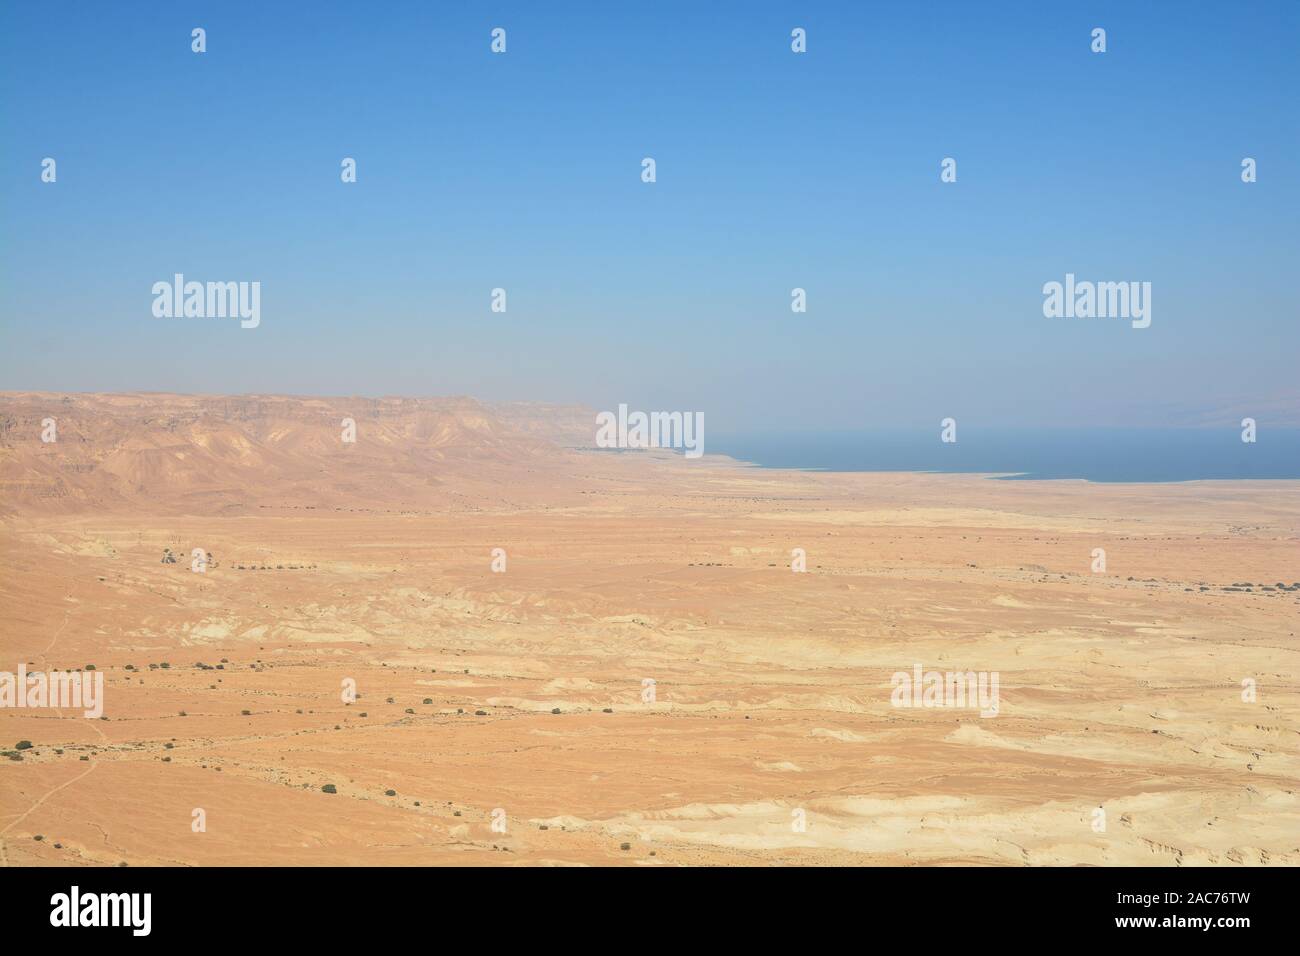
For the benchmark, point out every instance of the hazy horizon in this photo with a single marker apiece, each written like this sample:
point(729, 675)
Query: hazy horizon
point(1193, 452)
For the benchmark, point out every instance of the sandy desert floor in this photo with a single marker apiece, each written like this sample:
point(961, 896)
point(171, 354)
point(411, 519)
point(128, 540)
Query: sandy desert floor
point(523, 691)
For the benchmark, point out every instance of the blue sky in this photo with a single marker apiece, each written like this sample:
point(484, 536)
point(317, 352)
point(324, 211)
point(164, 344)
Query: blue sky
point(775, 170)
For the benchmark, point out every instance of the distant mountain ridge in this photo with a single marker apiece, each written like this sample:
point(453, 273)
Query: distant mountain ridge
point(228, 454)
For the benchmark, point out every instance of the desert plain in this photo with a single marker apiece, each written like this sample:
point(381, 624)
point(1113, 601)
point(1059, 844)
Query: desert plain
point(637, 677)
